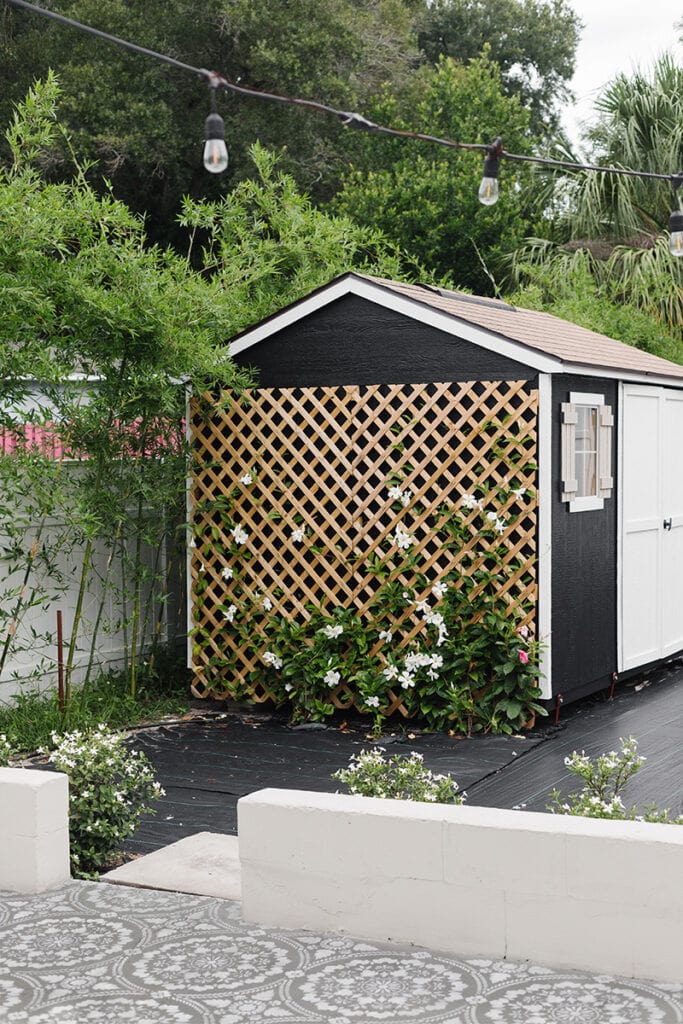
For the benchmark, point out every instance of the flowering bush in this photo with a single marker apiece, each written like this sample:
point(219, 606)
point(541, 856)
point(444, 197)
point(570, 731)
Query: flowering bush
point(402, 777)
point(5, 751)
point(110, 788)
point(448, 648)
point(605, 778)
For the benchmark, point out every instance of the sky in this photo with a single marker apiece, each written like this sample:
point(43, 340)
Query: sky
point(618, 36)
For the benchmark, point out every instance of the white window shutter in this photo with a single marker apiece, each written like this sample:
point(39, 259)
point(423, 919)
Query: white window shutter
point(570, 484)
point(605, 479)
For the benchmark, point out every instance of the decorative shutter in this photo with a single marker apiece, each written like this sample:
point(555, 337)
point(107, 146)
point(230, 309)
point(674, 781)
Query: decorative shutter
point(570, 484)
point(605, 479)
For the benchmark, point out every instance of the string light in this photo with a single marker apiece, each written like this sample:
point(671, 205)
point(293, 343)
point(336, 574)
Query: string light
point(215, 151)
point(488, 190)
point(676, 222)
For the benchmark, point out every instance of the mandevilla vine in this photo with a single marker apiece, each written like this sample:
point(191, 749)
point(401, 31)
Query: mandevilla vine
point(455, 652)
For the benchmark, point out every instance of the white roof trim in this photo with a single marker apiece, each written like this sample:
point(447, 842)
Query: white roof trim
point(446, 322)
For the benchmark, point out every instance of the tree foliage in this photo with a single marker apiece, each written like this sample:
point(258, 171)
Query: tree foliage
point(142, 121)
point(639, 125)
point(532, 41)
point(611, 228)
point(625, 297)
point(425, 199)
point(99, 331)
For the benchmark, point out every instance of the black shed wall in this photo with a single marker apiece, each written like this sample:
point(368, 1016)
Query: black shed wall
point(354, 341)
point(584, 567)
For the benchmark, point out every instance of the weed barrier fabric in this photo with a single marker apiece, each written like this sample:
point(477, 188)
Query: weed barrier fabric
point(206, 764)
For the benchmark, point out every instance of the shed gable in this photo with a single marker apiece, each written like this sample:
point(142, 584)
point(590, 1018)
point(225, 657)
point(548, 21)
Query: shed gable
point(355, 341)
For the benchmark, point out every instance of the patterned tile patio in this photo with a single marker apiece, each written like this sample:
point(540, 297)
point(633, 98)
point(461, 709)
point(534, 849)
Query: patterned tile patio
point(96, 953)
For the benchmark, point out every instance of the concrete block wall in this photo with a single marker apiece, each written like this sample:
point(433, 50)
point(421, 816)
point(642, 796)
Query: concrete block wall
point(34, 830)
point(579, 893)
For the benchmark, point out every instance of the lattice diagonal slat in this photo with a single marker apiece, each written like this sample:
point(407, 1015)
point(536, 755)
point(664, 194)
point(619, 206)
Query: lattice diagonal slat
point(322, 459)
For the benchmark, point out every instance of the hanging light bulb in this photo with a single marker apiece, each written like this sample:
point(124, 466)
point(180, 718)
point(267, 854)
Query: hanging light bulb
point(488, 190)
point(215, 150)
point(676, 233)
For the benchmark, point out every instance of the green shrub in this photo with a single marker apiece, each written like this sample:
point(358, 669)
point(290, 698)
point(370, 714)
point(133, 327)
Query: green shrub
point(605, 778)
point(402, 777)
point(110, 788)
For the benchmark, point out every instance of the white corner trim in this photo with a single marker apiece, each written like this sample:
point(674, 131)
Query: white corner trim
point(188, 515)
point(545, 529)
point(620, 528)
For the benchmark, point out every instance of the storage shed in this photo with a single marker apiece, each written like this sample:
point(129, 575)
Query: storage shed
point(603, 534)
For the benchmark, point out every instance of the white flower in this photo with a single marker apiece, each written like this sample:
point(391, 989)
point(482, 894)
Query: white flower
point(193, 542)
point(470, 502)
point(390, 672)
point(406, 498)
point(438, 590)
point(267, 604)
point(519, 492)
point(288, 687)
point(247, 479)
point(386, 634)
point(423, 608)
point(331, 678)
point(491, 516)
point(406, 680)
point(499, 526)
point(372, 702)
point(395, 493)
point(401, 539)
point(230, 612)
point(202, 568)
point(227, 573)
point(298, 535)
point(239, 535)
point(333, 631)
point(270, 658)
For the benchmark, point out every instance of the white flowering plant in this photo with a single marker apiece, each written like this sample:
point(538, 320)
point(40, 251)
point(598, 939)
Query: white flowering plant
point(6, 750)
point(605, 778)
point(401, 777)
point(110, 788)
point(448, 648)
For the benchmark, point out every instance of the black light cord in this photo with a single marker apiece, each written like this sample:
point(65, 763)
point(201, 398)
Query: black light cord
point(348, 118)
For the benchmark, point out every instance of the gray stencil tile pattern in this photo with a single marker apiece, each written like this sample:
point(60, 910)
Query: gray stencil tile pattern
point(108, 954)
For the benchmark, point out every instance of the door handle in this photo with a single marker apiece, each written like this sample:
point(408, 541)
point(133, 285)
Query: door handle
point(667, 524)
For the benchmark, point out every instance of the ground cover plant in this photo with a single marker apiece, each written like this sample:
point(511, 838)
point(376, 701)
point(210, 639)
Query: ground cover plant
point(32, 717)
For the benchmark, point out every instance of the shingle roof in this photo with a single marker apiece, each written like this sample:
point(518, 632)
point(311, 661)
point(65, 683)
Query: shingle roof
point(539, 331)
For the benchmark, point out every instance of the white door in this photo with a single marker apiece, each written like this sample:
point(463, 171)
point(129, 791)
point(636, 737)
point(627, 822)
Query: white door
point(651, 527)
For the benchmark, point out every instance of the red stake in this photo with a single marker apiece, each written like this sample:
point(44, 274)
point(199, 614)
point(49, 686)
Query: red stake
point(60, 663)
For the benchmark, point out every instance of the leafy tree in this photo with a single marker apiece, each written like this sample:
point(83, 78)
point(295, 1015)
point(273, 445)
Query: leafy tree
point(108, 326)
point(143, 121)
point(639, 125)
point(613, 226)
point(425, 199)
point(532, 41)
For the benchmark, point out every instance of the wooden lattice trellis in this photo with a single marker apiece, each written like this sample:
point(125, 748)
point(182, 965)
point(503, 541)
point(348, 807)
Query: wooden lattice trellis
point(323, 457)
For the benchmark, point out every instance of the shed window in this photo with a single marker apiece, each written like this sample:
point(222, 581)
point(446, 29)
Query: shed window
point(586, 451)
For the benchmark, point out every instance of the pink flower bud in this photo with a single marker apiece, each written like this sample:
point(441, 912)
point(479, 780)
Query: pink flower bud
point(523, 657)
